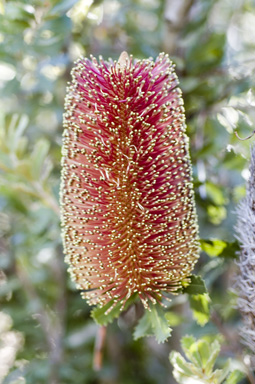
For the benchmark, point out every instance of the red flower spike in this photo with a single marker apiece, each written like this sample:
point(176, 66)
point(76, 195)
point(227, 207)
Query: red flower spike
point(128, 216)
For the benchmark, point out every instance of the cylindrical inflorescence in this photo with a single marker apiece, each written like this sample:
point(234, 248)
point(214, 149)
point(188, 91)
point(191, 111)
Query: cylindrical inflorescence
point(245, 278)
point(128, 216)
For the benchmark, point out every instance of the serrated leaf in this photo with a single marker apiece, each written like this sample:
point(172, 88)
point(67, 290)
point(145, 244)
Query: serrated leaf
point(220, 374)
point(104, 315)
point(200, 308)
point(204, 350)
point(196, 286)
point(200, 353)
point(190, 347)
point(160, 324)
point(187, 342)
point(211, 359)
point(144, 327)
point(153, 323)
point(180, 364)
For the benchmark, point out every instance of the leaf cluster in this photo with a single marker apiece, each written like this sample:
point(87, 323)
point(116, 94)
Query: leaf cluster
point(202, 356)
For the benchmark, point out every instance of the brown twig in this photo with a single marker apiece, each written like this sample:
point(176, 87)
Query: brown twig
point(98, 351)
point(245, 138)
point(250, 375)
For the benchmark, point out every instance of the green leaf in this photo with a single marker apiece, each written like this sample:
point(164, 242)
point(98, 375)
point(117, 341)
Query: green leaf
point(220, 374)
point(38, 157)
point(102, 317)
point(160, 325)
point(187, 342)
point(207, 354)
point(215, 194)
point(196, 286)
point(190, 347)
point(200, 308)
point(153, 323)
point(2, 7)
point(230, 251)
point(180, 364)
point(216, 214)
point(202, 355)
point(8, 287)
point(213, 247)
point(211, 359)
point(144, 327)
point(204, 351)
point(105, 315)
point(174, 319)
point(234, 377)
point(220, 248)
point(200, 352)
point(62, 7)
point(17, 11)
point(16, 129)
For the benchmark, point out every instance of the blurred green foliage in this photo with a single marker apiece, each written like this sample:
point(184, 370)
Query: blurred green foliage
point(200, 369)
point(210, 42)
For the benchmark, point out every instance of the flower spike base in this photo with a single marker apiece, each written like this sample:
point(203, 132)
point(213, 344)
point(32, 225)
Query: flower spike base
point(128, 217)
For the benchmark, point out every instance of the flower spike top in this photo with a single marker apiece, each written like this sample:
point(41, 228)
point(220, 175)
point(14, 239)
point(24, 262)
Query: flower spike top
point(128, 217)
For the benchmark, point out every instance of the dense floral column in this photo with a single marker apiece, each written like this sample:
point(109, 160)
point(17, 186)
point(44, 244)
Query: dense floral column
point(245, 284)
point(128, 217)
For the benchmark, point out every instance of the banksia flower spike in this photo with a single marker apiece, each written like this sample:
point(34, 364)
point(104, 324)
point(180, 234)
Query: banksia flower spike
point(245, 283)
point(128, 215)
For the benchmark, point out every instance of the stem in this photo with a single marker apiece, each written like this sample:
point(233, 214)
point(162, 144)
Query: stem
point(250, 375)
point(98, 351)
point(227, 333)
point(245, 138)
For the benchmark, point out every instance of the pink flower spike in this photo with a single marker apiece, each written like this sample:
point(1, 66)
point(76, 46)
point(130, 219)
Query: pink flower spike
point(128, 217)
